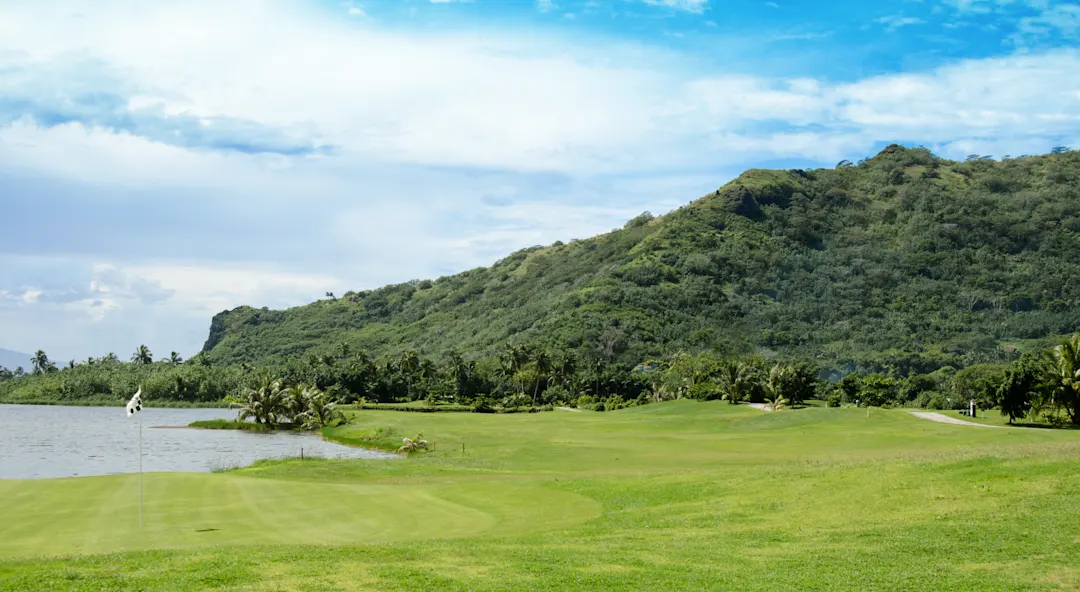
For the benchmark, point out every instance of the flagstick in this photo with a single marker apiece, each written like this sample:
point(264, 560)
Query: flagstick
point(140, 471)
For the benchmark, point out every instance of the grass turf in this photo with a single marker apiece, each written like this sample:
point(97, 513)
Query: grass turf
point(682, 495)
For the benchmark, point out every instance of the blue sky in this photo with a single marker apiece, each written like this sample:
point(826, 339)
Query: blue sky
point(163, 161)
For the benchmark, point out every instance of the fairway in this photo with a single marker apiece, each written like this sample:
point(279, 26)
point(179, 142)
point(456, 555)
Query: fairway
point(680, 495)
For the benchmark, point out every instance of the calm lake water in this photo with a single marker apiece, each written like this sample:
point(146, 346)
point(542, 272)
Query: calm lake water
point(40, 442)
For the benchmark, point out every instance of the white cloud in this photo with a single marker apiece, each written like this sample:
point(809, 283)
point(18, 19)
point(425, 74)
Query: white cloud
point(1063, 19)
point(687, 5)
point(530, 104)
point(1042, 18)
point(560, 139)
point(165, 305)
point(894, 22)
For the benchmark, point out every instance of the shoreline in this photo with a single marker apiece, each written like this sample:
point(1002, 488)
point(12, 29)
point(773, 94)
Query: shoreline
point(146, 405)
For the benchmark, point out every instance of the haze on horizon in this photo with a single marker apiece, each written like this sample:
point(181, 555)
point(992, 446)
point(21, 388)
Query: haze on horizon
point(160, 164)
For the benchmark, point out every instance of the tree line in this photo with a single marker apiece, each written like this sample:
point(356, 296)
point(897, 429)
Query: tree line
point(538, 376)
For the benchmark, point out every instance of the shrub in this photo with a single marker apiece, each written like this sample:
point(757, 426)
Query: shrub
point(833, 400)
point(555, 395)
point(586, 402)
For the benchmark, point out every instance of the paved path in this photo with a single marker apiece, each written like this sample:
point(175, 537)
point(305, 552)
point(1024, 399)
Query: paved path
point(946, 419)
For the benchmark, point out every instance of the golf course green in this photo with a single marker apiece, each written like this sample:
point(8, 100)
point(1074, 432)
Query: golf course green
point(682, 495)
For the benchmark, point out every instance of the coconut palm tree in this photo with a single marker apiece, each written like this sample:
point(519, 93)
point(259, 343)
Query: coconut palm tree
point(564, 367)
point(264, 402)
point(736, 380)
point(542, 364)
point(1066, 391)
point(294, 400)
point(40, 362)
point(461, 372)
point(413, 444)
point(320, 410)
point(409, 364)
point(142, 356)
point(427, 369)
point(110, 358)
point(774, 387)
point(175, 359)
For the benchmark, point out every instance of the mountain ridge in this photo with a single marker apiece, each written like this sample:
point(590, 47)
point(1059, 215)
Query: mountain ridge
point(905, 260)
point(12, 359)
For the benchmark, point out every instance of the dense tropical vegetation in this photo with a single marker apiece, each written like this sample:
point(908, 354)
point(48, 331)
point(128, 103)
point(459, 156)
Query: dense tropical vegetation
point(905, 261)
point(903, 280)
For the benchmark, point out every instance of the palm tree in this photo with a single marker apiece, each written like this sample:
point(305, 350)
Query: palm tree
point(409, 364)
point(265, 403)
point(462, 374)
point(511, 361)
point(71, 365)
point(1066, 392)
point(175, 359)
point(142, 356)
point(565, 366)
point(542, 364)
point(320, 409)
point(598, 367)
point(294, 400)
point(413, 444)
point(774, 386)
point(40, 362)
point(736, 380)
point(110, 358)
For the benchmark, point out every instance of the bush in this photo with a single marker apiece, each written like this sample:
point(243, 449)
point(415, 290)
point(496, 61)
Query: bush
point(705, 391)
point(586, 402)
point(944, 402)
point(555, 395)
point(833, 400)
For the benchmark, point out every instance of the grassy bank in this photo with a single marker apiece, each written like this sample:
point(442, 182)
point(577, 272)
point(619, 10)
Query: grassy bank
point(229, 424)
point(673, 496)
point(425, 407)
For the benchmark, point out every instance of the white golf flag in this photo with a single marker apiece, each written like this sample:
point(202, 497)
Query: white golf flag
point(135, 404)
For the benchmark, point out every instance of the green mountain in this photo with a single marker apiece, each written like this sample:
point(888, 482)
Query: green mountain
point(904, 260)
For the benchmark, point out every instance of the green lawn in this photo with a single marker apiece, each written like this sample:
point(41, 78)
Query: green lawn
point(675, 496)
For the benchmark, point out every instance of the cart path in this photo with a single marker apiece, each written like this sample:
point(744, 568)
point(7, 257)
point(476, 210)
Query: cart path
point(946, 419)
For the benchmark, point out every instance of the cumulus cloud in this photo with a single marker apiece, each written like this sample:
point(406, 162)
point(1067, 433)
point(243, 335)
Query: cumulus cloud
point(311, 152)
point(523, 104)
point(123, 305)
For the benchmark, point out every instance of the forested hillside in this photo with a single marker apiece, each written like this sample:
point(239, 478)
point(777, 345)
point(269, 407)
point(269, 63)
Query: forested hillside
point(903, 261)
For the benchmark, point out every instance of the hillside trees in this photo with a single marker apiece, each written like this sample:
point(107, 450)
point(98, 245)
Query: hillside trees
point(904, 263)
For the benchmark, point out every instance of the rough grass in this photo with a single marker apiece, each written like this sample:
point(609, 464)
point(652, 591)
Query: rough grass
point(231, 424)
point(674, 496)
